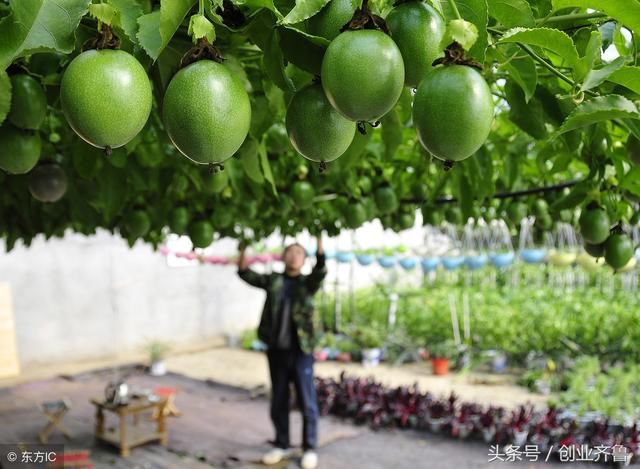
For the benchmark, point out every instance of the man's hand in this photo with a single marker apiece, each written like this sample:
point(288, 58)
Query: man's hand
point(242, 262)
point(320, 247)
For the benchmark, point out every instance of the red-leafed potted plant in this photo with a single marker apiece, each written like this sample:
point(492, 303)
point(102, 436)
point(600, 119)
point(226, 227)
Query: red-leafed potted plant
point(441, 354)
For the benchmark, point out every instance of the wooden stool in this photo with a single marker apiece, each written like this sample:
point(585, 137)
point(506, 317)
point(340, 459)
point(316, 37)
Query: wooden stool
point(170, 409)
point(55, 412)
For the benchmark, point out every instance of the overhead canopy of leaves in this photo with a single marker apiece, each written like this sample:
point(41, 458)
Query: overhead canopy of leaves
point(564, 75)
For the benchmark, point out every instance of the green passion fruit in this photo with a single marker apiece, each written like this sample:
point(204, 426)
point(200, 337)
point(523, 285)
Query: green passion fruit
point(179, 220)
point(386, 200)
point(28, 102)
point(594, 250)
point(106, 97)
point(594, 225)
point(453, 112)
point(137, 224)
point(302, 193)
point(363, 74)
point(48, 182)
point(328, 22)
point(316, 130)
point(355, 215)
point(618, 250)
point(201, 233)
point(417, 29)
point(20, 149)
point(207, 112)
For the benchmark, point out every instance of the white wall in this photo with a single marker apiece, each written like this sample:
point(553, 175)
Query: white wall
point(85, 298)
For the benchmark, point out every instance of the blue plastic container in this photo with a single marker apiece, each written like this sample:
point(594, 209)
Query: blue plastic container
point(533, 256)
point(502, 260)
point(452, 263)
point(408, 263)
point(387, 261)
point(429, 264)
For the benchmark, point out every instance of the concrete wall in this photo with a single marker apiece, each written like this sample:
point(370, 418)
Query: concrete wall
point(89, 298)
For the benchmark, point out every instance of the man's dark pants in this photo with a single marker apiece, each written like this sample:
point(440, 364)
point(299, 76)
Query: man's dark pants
point(286, 366)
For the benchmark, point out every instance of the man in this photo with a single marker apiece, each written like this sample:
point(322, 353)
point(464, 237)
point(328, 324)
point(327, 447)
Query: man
point(287, 328)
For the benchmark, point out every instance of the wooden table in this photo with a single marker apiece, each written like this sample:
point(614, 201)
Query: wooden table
point(127, 435)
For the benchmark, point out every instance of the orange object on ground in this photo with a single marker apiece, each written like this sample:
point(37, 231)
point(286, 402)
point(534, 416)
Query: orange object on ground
point(440, 366)
point(170, 409)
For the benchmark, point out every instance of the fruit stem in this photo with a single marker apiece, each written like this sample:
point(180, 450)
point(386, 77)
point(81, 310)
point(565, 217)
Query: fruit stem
point(201, 8)
point(454, 7)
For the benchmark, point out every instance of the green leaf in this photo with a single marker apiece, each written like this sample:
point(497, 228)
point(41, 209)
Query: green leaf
point(596, 77)
point(199, 27)
point(626, 12)
point(5, 95)
point(257, 4)
point(102, 12)
point(511, 13)
point(522, 70)
point(302, 50)
point(157, 28)
point(273, 63)
point(303, 10)
point(528, 116)
point(601, 108)
point(592, 55)
point(475, 11)
point(39, 25)
point(462, 32)
point(552, 40)
point(128, 13)
point(248, 154)
point(631, 181)
point(629, 77)
point(266, 167)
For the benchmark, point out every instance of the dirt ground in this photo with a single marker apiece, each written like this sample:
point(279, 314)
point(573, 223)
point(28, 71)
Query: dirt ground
point(248, 369)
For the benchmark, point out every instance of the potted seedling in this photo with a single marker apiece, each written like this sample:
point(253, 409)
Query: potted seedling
point(157, 351)
point(370, 341)
point(441, 353)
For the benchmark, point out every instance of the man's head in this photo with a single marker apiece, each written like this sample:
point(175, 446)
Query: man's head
point(293, 257)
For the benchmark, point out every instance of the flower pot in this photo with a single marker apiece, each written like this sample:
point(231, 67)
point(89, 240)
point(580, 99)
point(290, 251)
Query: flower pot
point(520, 437)
point(488, 434)
point(533, 256)
point(440, 366)
point(502, 260)
point(321, 355)
point(499, 362)
point(387, 262)
point(408, 263)
point(344, 357)
point(365, 259)
point(476, 262)
point(452, 263)
point(561, 258)
point(436, 424)
point(158, 368)
point(429, 264)
point(344, 257)
point(371, 356)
